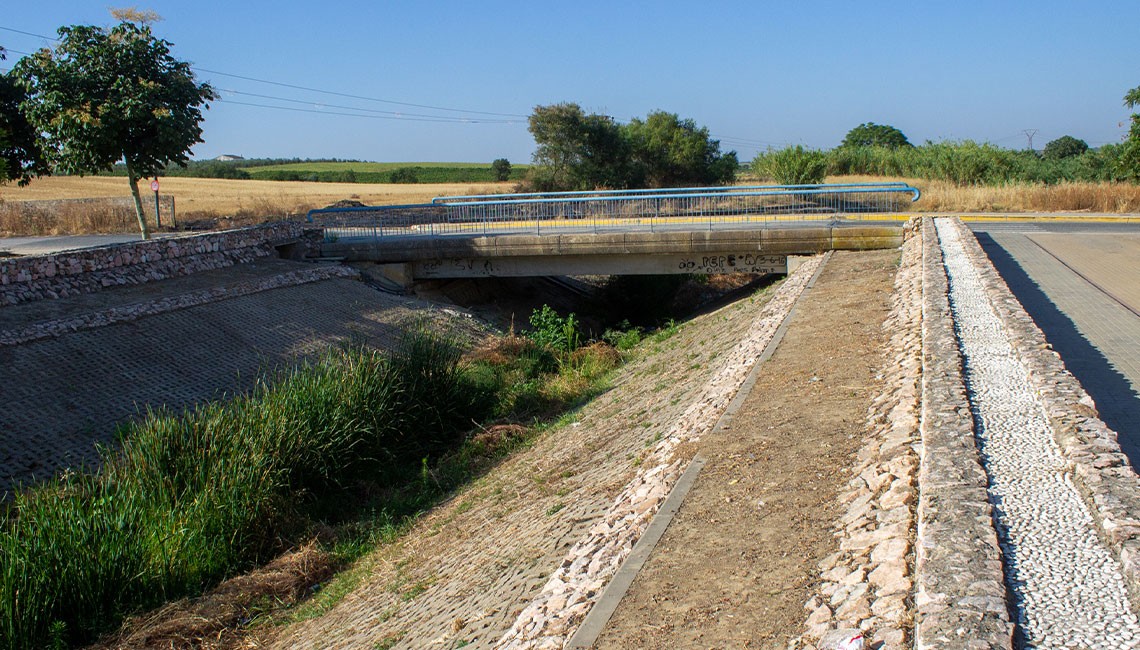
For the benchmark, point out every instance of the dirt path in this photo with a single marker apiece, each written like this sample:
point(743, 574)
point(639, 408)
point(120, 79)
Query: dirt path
point(736, 565)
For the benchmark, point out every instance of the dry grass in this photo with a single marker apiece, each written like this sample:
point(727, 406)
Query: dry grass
point(199, 199)
point(943, 196)
point(228, 203)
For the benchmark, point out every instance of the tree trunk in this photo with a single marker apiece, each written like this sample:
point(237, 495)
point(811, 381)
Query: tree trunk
point(134, 180)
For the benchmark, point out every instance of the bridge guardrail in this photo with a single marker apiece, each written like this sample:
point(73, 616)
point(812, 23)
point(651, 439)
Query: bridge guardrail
point(607, 211)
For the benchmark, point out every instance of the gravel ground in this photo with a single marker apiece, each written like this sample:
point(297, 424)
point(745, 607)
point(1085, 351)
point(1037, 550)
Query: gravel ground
point(1065, 584)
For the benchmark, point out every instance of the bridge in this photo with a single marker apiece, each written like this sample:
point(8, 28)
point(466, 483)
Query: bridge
point(709, 230)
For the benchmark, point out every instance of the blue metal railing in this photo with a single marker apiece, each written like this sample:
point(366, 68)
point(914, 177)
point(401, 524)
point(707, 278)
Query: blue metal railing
point(443, 200)
point(607, 210)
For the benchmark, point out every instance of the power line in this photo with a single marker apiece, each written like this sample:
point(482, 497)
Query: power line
point(445, 120)
point(308, 88)
point(18, 31)
point(397, 114)
point(361, 97)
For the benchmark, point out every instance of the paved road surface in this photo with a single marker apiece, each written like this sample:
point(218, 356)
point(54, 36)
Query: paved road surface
point(57, 243)
point(1081, 284)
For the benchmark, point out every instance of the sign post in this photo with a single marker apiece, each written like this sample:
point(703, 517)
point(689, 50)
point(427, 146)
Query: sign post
point(157, 218)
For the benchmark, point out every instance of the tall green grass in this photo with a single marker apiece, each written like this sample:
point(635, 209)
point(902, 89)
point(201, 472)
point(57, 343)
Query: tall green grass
point(190, 498)
point(971, 163)
point(196, 496)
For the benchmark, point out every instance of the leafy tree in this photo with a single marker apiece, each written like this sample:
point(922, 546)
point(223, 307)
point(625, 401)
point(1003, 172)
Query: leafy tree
point(870, 134)
point(21, 151)
point(501, 168)
point(671, 152)
point(577, 151)
point(1128, 163)
point(1063, 147)
point(114, 94)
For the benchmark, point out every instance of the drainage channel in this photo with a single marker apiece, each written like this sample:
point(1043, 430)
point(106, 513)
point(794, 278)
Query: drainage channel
point(1065, 585)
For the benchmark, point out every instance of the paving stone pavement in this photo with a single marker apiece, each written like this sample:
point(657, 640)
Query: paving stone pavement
point(62, 395)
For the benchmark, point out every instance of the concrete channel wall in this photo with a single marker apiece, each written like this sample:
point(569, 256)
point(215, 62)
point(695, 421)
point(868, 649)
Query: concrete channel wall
point(25, 279)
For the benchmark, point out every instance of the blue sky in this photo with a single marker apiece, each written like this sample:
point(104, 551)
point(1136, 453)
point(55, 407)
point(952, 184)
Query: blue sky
point(757, 74)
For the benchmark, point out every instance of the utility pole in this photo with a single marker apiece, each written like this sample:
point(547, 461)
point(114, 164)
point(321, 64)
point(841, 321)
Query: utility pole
point(1029, 133)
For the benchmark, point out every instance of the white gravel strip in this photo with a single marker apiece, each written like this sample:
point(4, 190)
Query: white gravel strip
point(1067, 587)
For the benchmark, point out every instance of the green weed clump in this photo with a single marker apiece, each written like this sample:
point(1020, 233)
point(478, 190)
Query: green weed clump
point(196, 496)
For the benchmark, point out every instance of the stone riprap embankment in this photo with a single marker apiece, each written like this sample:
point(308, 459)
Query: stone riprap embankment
point(1005, 435)
point(130, 312)
point(25, 279)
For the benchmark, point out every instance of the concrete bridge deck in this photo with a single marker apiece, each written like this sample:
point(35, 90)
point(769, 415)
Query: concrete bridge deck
point(681, 248)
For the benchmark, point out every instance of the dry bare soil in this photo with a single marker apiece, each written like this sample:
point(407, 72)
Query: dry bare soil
point(736, 565)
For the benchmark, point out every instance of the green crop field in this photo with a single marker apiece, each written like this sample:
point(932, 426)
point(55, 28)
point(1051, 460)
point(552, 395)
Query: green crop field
point(380, 172)
point(368, 166)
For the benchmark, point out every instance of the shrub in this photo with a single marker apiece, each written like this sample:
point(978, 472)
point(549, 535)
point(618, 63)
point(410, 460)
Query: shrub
point(501, 168)
point(553, 331)
point(791, 166)
point(404, 175)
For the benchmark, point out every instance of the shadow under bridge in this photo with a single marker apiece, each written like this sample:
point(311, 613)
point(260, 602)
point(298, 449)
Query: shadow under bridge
point(737, 229)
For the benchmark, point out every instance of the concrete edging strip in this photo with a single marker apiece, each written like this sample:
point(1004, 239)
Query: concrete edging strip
point(599, 615)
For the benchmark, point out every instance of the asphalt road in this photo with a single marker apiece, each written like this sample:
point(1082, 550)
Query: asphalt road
point(58, 243)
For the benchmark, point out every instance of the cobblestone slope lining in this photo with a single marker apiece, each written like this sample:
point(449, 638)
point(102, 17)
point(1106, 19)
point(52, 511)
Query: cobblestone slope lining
point(960, 593)
point(553, 617)
point(1089, 452)
point(66, 392)
point(1064, 584)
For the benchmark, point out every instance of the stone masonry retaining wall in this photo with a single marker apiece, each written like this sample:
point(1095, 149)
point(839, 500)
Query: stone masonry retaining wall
point(1107, 481)
point(24, 279)
point(960, 596)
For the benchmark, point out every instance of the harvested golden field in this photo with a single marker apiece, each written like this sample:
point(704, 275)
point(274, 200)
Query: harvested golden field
point(206, 202)
point(214, 197)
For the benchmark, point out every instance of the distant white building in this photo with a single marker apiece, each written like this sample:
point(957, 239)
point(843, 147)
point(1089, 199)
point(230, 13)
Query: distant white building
point(227, 157)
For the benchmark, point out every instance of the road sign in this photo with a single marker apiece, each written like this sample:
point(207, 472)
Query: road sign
point(154, 185)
